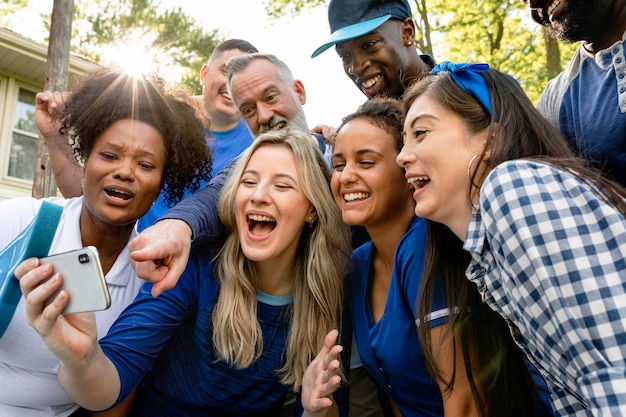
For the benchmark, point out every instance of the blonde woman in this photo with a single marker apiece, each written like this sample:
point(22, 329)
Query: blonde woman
point(239, 329)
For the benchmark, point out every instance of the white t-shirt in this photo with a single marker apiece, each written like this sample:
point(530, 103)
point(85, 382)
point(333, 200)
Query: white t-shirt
point(28, 371)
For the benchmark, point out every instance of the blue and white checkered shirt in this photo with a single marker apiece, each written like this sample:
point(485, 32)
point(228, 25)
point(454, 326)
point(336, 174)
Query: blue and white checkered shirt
point(550, 257)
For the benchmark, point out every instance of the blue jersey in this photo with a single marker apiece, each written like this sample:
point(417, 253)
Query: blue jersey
point(389, 348)
point(167, 342)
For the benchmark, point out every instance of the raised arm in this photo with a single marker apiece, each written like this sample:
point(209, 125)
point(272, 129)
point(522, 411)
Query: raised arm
point(67, 172)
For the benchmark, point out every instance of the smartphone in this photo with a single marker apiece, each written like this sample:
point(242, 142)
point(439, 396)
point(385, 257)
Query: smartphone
point(83, 279)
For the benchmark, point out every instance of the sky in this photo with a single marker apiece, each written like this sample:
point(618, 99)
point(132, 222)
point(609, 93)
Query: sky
point(330, 94)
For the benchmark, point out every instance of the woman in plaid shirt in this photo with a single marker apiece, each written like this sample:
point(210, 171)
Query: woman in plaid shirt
point(546, 234)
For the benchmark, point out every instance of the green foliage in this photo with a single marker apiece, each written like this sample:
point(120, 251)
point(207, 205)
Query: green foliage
point(178, 38)
point(279, 8)
point(11, 6)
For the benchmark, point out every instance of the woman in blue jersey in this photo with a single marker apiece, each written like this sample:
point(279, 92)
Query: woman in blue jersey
point(239, 329)
point(383, 287)
point(545, 234)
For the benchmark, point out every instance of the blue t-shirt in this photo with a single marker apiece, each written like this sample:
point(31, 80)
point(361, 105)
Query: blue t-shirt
point(169, 337)
point(225, 146)
point(389, 348)
point(587, 102)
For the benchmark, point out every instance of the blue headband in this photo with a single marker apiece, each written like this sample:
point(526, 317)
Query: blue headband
point(467, 76)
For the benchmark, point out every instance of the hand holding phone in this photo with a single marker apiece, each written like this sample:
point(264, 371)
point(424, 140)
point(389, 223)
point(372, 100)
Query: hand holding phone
point(83, 279)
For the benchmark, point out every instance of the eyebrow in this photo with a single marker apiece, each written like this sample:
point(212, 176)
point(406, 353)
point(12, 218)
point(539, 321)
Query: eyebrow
point(422, 116)
point(121, 149)
point(359, 152)
point(279, 175)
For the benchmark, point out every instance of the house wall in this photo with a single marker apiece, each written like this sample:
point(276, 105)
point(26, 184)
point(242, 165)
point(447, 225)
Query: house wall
point(22, 76)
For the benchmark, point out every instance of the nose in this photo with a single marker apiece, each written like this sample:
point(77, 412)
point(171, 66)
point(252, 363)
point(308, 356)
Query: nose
point(405, 157)
point(354, 65)
point(260, 194)
point(348, 175)
point(125, 169)
point(264, 113)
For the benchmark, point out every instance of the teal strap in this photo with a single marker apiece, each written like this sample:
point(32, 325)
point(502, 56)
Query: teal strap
point(33, 241)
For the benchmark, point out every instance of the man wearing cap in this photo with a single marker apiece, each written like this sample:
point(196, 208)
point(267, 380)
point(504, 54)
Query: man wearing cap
point(375, 41)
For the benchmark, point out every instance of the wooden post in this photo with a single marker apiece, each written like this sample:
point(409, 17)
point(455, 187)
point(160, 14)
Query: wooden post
point(57, 76)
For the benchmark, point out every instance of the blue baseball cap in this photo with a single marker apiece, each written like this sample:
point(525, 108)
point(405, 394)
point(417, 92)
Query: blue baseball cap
point(351, 19)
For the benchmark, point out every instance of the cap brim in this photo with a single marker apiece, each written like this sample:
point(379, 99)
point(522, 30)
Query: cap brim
point(350, 32)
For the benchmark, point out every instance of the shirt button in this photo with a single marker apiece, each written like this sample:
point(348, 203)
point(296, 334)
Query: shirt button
point(622, 89)
point(618, 60)
point(615, 50)
point(620, 75)
point(389, 386)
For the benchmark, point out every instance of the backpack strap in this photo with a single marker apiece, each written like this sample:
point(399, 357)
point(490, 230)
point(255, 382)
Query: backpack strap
point(33, 241)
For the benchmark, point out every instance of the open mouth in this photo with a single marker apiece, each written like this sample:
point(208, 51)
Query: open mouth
point(370, 82)
point(419, 182)
point(123, 195)
point(260, 225)
point(355, 196)
point(224, 93)
point(273, 125)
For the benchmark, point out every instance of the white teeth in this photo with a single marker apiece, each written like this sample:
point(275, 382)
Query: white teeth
point(119, 191)
point(259, 218)
point(370, 82)
point(355, 196)
point(413, 180)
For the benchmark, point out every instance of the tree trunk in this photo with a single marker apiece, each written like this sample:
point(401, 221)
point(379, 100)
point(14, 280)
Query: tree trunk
point(553, 55)
point(57, 76)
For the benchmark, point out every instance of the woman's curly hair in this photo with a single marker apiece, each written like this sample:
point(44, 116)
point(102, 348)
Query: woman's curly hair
point(109, 94)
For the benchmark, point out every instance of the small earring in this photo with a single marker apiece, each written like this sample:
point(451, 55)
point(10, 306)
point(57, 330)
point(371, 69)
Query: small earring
point(409, 43)
point(311, 220)
point(82, 183)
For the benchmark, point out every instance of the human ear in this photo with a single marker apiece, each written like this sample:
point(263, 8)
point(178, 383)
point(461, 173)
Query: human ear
point(300, 92)
point(311, 215)
point(408, 32)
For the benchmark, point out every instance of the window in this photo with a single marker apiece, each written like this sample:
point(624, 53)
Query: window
point(24, 139)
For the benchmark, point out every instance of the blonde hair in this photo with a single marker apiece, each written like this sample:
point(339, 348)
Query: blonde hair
point(321, 261)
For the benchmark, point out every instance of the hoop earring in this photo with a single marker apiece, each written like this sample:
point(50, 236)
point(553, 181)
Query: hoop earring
point(469, 166)
point(475, 206)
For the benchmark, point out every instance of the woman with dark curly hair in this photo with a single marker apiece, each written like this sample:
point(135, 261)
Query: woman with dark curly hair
point(136, 136)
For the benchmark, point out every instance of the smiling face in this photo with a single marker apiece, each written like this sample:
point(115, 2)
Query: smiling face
point(367, 184)
point(437, 151)
point(271, 208)
point(379, 62)
point(122, 176)
point(266, 100)
point(217, 102)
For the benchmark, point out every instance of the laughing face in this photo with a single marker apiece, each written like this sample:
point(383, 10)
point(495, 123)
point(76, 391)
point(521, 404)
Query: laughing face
point(217, 102)
point(437, 151)
point(266, 100)
point(122, 176)
point(378, 62)
point(367, 184)
point(271, 208)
